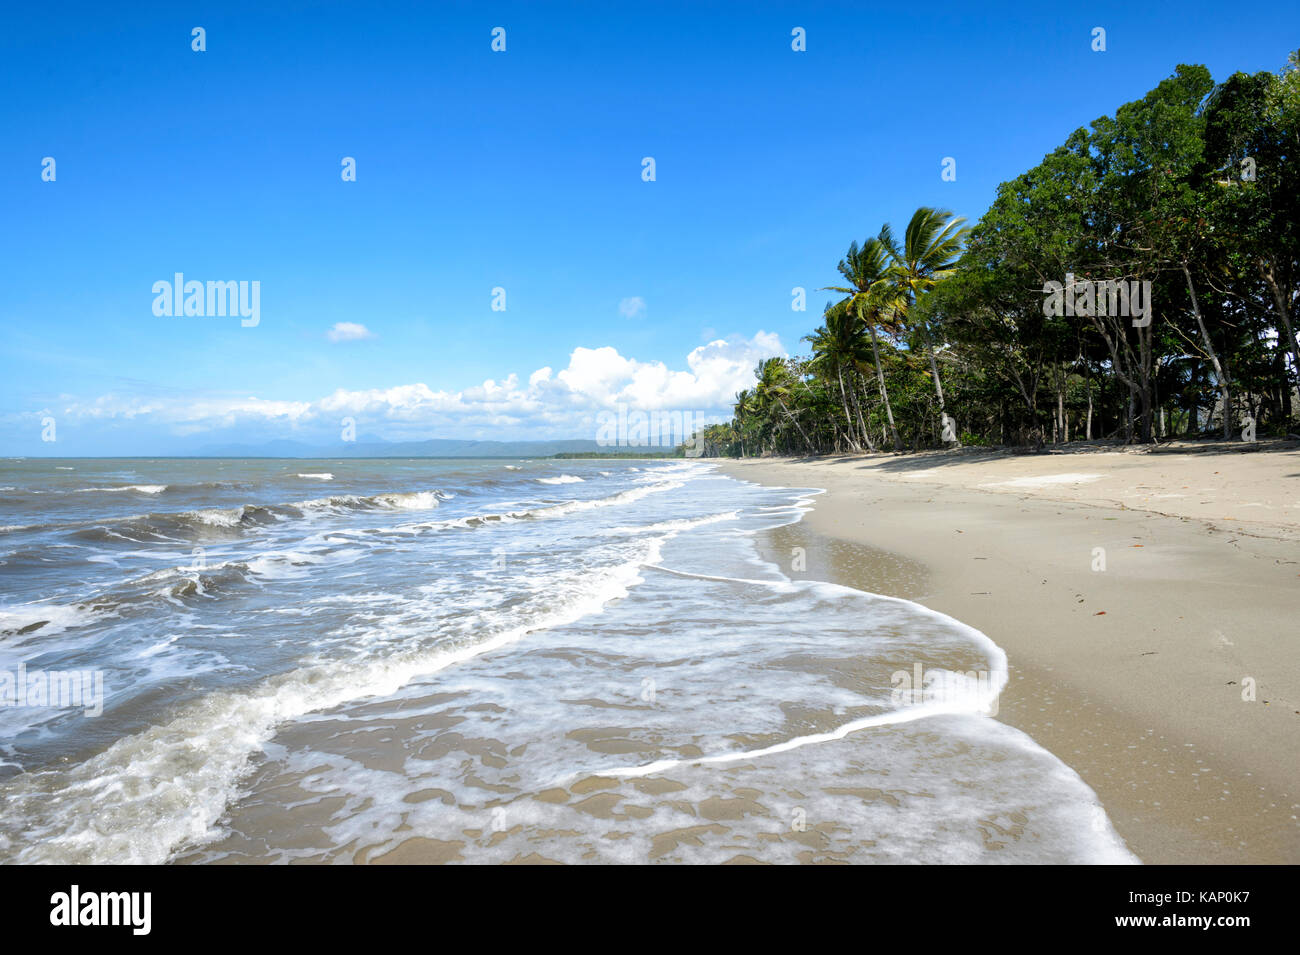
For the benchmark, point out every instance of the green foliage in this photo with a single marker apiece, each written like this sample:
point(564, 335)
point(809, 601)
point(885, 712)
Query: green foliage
point(1190, 188)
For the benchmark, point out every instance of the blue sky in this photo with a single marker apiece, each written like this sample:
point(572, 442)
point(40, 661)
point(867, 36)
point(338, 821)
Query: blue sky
point(520, 170)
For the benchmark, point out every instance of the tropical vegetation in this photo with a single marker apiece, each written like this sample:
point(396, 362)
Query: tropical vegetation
point(940, 337)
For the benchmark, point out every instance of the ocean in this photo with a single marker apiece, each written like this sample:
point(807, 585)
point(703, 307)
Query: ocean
point(484, 661)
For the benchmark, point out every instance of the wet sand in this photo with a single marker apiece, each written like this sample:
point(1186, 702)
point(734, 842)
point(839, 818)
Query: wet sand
point(1148, 603)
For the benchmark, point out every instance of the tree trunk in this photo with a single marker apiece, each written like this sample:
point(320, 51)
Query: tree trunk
point(938, 388)
point(1145, 415)
point(1220, 377)
point(844, 398)
point(884, 392)
point(1060, 404)
point(808, 443)
point(1147, 380)
point(1285, 314)
point(862, 425)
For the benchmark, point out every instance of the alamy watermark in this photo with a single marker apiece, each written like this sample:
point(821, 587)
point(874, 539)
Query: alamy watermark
point(1121, 299)
point(944, 687)
point(212, 299)
point(130, 909)
point(627, 428)
point(61, 689)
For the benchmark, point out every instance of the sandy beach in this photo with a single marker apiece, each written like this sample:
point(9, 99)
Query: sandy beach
point(1147, 601)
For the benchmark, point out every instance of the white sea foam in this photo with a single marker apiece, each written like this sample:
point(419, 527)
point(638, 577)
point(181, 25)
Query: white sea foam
point(394, 500)
point(412, 500)
point(138, 488)
point(55, 618)
point(218, 516)
point(678, 524)
point(167, 786)
point(622, 497)
point(330, 503)
point(539, 513)
point(323, 476)
point(562, 479)
point(289, 564)
point(159, 647)
point(928, 783)
point(343, 651)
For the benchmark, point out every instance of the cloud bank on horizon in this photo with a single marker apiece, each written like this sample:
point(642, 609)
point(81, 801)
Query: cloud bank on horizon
point(549, 405)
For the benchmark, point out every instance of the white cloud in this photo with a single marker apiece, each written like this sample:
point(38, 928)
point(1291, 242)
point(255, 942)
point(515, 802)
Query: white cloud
point(348, 332)
point(597, 372)
point(633, 307)
point(549, 405)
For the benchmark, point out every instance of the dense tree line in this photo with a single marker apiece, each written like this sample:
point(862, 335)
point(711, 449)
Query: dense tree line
point(1030, 327)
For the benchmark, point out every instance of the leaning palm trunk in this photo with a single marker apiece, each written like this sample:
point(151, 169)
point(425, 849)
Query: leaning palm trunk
point(844, 399)
point(938, 387)
point(1214, 356)
point(884, 392)
point(862, 425)
point(795, 421)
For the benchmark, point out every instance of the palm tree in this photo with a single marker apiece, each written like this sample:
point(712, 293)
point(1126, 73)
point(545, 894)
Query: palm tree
point(744, 408)
point(837, 343)
point(774, 381)
point(870, 296)
point(931, 247)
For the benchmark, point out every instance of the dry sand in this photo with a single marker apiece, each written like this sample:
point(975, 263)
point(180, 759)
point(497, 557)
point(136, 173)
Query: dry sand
point(1139, 675)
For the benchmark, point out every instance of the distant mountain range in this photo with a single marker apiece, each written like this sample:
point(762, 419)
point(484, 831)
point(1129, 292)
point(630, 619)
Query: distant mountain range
point(432, 448)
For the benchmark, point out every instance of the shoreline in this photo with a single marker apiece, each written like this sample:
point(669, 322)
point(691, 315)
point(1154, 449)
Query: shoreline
point(1133, 675)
